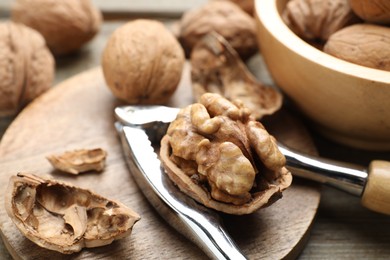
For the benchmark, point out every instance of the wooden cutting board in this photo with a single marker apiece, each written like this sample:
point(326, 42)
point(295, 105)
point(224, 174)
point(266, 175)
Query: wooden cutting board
point(78, 113)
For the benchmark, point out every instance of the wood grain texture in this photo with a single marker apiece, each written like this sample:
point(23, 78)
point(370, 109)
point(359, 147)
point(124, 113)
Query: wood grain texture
point(78, 113)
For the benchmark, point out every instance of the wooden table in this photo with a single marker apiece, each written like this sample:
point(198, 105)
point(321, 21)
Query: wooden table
point(342, 229)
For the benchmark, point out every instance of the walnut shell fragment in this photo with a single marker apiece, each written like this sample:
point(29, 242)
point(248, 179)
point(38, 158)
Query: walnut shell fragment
point(79, 161)
point(316, 20)
point(223, 17)
point(217, 154)
point(216, 68)
point(65, 218)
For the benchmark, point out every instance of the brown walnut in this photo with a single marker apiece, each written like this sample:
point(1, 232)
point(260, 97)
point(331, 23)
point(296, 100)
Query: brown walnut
point(216, 153)
point(143, 62)
point(66, 25)
point(373, 11)
point(364, 44)
point(65, 218)
point(246, 5)
point(316, 20)
point(78, 161)
point(26, 67)
point(223, 17)
point(217, 68)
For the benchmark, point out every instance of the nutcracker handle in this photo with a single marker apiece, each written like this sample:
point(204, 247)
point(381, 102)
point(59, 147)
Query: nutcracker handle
point(372, 184)
point(376, 193)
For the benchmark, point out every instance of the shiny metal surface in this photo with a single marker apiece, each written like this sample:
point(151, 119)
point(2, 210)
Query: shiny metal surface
point(347, 177)
point(199, 224)
point(139, 125)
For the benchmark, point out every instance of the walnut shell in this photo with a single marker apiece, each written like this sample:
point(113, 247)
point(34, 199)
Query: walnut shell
point(26, 67)
point(246, 5)
point(66, 25)
point(373, 11)
point(78, 161)
point(364, 44)
point(223, 17)
point(217, 154)
point(318, 19)
point(143, 62)
point(65, 218)
point(217, 68)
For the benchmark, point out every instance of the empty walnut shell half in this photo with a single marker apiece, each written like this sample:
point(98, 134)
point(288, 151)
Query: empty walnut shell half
point(217, 154)
point(217, 68)
point(62, 217)
point(78, 161)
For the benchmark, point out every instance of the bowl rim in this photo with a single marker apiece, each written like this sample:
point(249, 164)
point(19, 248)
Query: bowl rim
point(267, 12)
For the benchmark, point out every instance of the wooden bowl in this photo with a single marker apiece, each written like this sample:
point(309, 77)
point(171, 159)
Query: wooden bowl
point(346, 102)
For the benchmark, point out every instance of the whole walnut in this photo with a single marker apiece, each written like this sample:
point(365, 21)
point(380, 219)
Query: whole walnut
point(373, 11)
point(223, 17)
point(143, 62)
point(65, 25)
point(316, 20)
point(364, 44)
point(26, 67)
point(246, 5)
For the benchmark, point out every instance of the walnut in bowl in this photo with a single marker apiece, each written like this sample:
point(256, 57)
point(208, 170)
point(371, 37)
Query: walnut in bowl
point(346, 102)
point(216, 153)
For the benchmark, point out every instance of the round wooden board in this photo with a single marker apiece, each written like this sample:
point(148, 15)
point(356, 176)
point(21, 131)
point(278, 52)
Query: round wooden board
point(78, 113)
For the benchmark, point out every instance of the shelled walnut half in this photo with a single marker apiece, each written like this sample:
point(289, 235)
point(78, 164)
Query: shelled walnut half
point(65, 218)
point(216, 67)
point(216, 153)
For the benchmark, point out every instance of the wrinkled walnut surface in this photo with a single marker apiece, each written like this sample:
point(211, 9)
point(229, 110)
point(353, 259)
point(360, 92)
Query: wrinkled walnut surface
point(216, 68)
point(143, 62)
point(26, 67)
point(318, 19)
point(373, 11)
point(66, 25)
point(363, 44)
point(65, 218)
point(216, 153)
point(78, 161)
point(223, 17)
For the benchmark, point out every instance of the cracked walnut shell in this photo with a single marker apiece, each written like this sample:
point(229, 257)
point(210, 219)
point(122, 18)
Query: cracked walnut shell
point(66, 25)
point(223, 17)
point(65, 218)
point(26, 67)
point(78, 161)
point(143, 62)
point(216, 153)
point(217, 68)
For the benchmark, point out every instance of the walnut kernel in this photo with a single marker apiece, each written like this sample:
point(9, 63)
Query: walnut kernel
point(216, 153)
